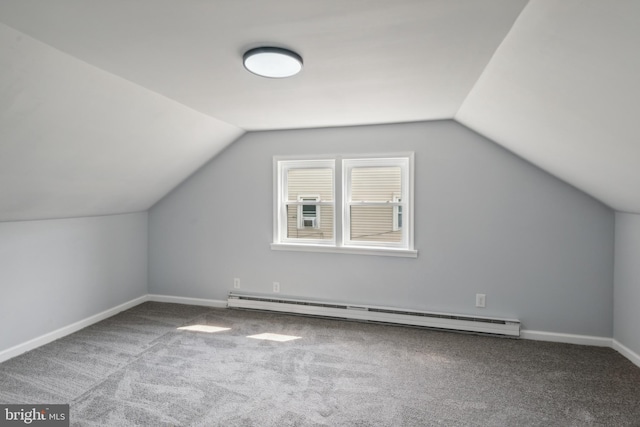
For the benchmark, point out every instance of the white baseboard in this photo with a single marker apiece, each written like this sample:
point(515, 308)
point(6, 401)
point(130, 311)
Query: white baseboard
point(566, 338)
point(66, 330)
point(188, 301)
point(627, 352)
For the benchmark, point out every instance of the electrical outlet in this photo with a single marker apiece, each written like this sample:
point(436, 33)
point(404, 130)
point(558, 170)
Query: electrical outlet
point(481, 300)
point(276, 286)
point(236, 283)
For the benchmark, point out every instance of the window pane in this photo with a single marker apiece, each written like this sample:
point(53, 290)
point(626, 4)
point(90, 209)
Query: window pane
point(314, 181)
point(374, 224)
point(320, 227)
point(376, 184)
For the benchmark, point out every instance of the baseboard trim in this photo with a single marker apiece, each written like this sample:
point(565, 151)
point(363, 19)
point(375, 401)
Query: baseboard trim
point(627, 352)
point(566, 338)
point(67, 330)
point(189, 301)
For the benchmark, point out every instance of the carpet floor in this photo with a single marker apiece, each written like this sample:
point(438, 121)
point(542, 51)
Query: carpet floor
point(138, 368)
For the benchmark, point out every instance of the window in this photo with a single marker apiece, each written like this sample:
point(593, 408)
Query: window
point(371, 197)
point(305, 208)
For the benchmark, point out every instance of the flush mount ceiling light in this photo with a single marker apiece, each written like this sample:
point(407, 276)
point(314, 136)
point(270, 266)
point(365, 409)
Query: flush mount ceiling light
point(272, 62)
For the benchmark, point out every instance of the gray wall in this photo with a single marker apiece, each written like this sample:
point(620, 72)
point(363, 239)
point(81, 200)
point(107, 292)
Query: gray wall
point(627, 281)
point(486, 222)
point(56, 272)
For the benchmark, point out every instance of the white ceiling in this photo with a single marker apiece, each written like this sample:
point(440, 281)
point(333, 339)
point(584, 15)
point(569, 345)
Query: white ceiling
point(366, 61)
point(106, 105)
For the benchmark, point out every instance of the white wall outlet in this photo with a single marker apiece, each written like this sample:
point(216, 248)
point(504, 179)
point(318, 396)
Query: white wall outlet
point(236, 283)
point(481, 300)
point(276, 286)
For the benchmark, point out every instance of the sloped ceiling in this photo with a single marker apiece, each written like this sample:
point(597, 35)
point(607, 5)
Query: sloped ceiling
point(563, 91)
point(106, 105)
point(78, 141)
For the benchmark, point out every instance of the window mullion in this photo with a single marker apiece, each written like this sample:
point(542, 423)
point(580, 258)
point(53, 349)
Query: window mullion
point(282, 209)
point(345, 209)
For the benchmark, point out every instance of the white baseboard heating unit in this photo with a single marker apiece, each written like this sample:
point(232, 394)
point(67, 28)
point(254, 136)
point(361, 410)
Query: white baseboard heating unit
point(508, 327)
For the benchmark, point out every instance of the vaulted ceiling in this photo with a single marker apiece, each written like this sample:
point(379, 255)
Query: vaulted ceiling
point(106, 105)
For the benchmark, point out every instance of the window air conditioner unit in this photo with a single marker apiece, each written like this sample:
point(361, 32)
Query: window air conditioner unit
point(309, 222)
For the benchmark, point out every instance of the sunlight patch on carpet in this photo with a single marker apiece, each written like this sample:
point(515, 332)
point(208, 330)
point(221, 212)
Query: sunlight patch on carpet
point(203, 328)
point(274, 337)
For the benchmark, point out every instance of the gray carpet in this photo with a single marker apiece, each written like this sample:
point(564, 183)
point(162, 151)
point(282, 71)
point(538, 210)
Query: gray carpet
point(137, 368)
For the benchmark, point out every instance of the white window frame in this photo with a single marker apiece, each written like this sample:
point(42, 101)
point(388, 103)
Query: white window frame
point(406, 241)
point(282, 168)
point(341, 201)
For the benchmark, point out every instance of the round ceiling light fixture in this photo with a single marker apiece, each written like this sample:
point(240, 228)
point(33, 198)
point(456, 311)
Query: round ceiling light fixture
point(272, 62)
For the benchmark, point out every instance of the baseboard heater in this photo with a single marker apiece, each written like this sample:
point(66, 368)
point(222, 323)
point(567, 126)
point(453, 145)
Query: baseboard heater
point(508, 327)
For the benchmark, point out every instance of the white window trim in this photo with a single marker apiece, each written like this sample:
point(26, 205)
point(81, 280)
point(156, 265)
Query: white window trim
point(355, 250)
point(337, 244)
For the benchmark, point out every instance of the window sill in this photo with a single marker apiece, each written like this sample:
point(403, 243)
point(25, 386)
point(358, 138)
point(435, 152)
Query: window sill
point(354, 250)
